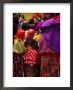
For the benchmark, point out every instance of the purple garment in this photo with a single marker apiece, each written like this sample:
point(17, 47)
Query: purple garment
point(38, 26)
point(50, 22)
point(51, 33)
point(43, 48)
point(52, 37)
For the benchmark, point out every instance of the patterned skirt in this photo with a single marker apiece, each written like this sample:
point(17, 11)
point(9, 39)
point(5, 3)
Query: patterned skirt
point(18, 65)
point(50, 65)
point(30, 70)
point(24, 70)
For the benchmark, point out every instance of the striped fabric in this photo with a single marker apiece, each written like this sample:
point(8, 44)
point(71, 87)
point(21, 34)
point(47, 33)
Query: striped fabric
point(50, 65)
point(30, 57)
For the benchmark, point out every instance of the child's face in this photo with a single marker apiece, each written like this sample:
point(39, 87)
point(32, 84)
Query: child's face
point(28, 47)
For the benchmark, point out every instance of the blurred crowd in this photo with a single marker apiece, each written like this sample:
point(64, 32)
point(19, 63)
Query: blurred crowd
point(36, 45)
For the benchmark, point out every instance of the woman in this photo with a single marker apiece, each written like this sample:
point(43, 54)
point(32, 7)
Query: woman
point(49, 50)
point(18, 50)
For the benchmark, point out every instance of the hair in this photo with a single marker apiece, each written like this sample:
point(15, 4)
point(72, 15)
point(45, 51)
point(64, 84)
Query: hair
point(31, 21)
point(15, 23)
point(14, 29)
point(24, 26)
point(23, 16)
point(15, 18)
point(19, 14)
point(32, 43)
point(56, 14)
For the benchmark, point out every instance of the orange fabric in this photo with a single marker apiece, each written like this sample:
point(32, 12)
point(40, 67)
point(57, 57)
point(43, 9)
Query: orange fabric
point(35, 15)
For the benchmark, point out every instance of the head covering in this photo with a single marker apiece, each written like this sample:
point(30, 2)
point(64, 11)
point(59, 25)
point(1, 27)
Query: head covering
point(31, 32)
point(20, 34)
point(37, 15)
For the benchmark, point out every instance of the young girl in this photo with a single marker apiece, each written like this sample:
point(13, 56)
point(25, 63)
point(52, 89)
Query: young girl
point(30, 58)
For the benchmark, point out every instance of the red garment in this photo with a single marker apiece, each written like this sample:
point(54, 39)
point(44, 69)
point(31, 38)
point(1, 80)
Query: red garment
point(57, 18)
point(29, 34)
point(50, 65)
point(30, 57)
point(20, 34)
point(35, 15)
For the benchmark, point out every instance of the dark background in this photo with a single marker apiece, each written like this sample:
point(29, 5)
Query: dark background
point(37, 1)
point(1, 40)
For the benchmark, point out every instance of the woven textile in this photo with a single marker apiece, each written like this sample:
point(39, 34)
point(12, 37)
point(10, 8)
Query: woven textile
point(50, 65)
point(18, 65)
point(30, 57)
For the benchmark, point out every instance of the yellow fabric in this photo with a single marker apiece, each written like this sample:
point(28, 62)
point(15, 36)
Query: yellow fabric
point(37, 37)
point(18, 46)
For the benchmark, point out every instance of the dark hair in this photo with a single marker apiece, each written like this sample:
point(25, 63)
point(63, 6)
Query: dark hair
point(24, 26)
point(19, 14)
point(56, 14)
point(32, 43)
point(14, 29)
point(23, 16)
point(15, 23)
point(31, 21)
point(15, 18)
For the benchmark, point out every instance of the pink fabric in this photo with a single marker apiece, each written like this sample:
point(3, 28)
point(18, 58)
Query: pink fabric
point(30, 57)
point(43, 48)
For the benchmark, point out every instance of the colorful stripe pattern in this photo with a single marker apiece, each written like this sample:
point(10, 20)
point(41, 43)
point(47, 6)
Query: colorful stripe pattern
point(30, 57)
point(50, 65)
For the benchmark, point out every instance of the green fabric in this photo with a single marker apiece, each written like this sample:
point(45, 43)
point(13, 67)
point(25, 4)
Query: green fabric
point(18, 46)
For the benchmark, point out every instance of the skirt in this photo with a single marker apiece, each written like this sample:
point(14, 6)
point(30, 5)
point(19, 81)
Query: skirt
point(30, 70)
point(50, 65)
point(18, 65)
